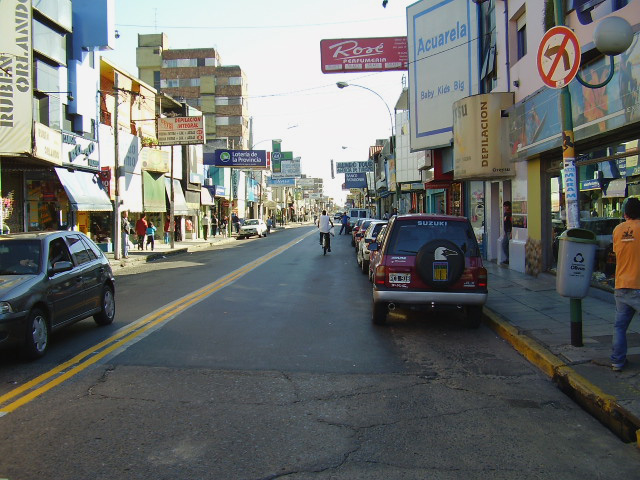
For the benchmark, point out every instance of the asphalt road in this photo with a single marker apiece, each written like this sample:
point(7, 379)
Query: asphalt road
point(258, 360)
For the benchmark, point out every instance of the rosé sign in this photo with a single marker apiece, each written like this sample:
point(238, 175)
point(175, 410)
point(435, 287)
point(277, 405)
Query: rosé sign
point(364, 54)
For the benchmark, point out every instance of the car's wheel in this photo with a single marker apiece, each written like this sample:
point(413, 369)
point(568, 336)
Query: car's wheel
point(37, 335)
point(365, 266)
point(379, 314)
point(107, 307)
point(440, 263)
point(473, 316)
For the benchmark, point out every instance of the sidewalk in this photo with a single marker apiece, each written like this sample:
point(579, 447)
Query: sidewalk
point(531, 316)
point(162, 250)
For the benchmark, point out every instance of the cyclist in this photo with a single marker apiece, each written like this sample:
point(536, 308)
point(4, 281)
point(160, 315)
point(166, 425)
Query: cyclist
point(323, 224)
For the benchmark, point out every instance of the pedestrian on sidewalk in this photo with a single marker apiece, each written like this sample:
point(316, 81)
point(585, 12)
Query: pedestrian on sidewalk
point(224, 222)
point(508, 226)
point(269, 225)
point(151, 233)
point(177, 229)
point(167, 226)
point(214, 224)
point(236, 222)
point(626, 246)
point(141, 230)
point(125, 229)
point(205, 225)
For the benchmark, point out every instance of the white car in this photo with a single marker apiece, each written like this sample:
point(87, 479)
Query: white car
point(253, 226)
point(370, 235)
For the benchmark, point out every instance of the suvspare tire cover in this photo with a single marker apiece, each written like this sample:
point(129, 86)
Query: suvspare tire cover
point(440, 263)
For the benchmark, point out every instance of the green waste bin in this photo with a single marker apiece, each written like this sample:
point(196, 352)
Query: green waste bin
point(576, 259)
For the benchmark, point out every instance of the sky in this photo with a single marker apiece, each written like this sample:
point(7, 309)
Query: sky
point(277, 45)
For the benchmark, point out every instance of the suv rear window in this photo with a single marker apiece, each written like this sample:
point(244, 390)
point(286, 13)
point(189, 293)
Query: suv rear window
point(408, 236)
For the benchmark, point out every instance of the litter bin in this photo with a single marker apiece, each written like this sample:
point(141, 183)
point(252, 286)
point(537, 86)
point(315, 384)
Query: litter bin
point(576, 258)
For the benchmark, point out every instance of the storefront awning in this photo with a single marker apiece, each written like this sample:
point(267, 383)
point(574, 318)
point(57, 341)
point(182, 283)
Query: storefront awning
point(153, 188)
point(180, 203)
point(85, 191)
point(206, 196)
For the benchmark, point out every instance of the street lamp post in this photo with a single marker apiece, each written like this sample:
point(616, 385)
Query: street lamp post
point(611, 37)
point(345, 85)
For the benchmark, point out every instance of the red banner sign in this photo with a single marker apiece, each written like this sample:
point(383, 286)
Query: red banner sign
point(364, 54)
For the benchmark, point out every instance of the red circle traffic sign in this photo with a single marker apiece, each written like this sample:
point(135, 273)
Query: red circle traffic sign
point(558, 57)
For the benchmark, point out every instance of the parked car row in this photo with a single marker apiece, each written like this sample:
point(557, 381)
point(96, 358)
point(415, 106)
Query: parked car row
point(422, 261)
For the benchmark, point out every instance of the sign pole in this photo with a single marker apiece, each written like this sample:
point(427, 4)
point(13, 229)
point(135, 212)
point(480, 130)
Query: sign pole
point(172, 218)
point(571, 182)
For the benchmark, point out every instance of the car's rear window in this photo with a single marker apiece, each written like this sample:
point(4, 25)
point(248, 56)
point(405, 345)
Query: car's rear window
point(407, 236)
point(376, 229)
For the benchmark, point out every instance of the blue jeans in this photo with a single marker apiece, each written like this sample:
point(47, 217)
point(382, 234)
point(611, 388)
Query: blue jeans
point(627, 304)
point(125, 245)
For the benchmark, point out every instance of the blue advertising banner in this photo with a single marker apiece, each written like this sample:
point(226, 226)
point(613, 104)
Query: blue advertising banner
point(281, 182)
point(245, 159)
point(355, 180)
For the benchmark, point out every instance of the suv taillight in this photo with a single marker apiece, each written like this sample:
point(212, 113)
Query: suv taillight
point(482, 277)
point(380, 275)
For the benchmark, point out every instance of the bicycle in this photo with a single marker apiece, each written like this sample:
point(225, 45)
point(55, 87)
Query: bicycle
point(325, 245)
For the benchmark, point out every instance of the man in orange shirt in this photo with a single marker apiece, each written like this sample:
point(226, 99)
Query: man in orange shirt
point(626, 245)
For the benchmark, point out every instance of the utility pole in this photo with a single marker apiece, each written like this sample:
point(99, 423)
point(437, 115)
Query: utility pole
point(117, 221)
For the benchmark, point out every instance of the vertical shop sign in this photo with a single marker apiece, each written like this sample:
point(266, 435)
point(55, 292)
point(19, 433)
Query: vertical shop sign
point(16, 117)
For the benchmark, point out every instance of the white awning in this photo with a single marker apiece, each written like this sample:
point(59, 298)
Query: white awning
point(206, 198)
point(180, 203)
point(85, 191)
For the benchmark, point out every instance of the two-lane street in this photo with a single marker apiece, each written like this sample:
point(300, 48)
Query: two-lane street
point(258, 359)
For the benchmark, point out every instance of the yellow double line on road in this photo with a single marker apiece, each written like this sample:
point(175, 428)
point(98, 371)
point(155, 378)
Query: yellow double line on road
point(124, 337)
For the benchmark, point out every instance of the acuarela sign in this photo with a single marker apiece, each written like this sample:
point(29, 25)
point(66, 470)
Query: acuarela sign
point(442, 45)
point(480, 142)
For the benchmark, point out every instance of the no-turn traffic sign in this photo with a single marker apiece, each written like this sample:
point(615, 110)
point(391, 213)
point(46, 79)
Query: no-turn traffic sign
point(558, 57)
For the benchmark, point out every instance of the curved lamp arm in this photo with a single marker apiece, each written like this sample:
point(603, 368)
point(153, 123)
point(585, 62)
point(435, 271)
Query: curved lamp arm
point(602, 84)
point(345, 84)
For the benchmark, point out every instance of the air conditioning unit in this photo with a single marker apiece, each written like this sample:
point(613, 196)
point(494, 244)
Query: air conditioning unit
point(208, 182)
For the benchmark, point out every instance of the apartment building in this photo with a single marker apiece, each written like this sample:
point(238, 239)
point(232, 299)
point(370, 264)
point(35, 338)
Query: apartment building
point(197, 77)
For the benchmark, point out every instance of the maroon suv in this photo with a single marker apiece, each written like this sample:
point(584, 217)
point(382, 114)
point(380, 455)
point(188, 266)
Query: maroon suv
point(429, 261)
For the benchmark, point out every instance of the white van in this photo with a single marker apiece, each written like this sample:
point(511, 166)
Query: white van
point(357, 213)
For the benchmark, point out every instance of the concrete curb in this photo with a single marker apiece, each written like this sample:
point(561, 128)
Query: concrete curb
point(601, 405)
